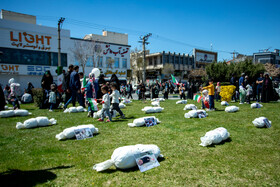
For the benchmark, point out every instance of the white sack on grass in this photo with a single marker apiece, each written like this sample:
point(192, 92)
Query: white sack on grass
point(182, 102)
point(256, 105)
point(224, 103)
point(121, 105)
point(190, 107)
point(126, 101)
point(259, 122)
point(231, 109)
point(11, 113)
point(214, 136)
point(123, 157)
point(75, 109)
point(155, 103)
point(98, 114)
point(35, 122)
point(6, 107)
point(158, 99)
point(141, 121)
point(70, 133)
point(149, 109)
point(194, 113)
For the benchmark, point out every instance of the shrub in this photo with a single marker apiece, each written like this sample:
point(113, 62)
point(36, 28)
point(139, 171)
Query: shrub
point(37, 96)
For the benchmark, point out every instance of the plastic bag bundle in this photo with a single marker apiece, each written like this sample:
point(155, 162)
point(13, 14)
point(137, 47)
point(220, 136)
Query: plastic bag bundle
point(35, 122)
point(256, 105)
point(121, 105)
point(261, 122)
point(75, 109)
point(231, 109)
point(224, 103)
point(126, 101)
point(70, 133)
point(158, 99)
point(195, 113)
point(11, 113)
point(190, 107)
point(98, 114)
point(149, 109)
point(141, 121)
point(155, 103)
point(123, 157)
point(214, 136)
point(182, 102)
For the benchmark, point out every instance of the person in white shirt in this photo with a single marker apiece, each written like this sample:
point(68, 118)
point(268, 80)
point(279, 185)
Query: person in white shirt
point(105, 104)
point(115, 100)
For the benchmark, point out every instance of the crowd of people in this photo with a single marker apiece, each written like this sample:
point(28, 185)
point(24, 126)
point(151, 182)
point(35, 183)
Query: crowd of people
point(73, 90)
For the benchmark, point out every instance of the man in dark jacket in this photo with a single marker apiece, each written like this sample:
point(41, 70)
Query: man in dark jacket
point(75, 87)
point(66, 82)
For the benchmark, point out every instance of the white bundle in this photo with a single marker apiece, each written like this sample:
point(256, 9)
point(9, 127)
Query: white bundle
point(126, 101)
point(123, 157)
point(75, 109)
point(214, 137)
point(11, 113)
point(141, 121)
point(149, 109)
point(195, 113)
point(231, 109)
point(70, 133)
point(158, 99)
point(98, 114)
point(6, 107)
point(35, 122)
point(260, 122)
point(121, 105)
point(155, 103)
point(256, 105)
point(190, 107)
point(224, 103)
point(182, 102)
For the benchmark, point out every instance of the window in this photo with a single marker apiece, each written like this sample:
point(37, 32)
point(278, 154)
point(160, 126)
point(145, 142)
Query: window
point(100, 60)
point(150, 61)
point(117, 62)
point(124, 63)
point(29, 57)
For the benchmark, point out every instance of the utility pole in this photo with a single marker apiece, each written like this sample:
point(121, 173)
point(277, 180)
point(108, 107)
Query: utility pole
point(144, 43)
point(59, 25)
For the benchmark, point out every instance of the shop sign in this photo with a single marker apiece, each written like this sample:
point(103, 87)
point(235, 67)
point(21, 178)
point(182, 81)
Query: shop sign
point(9, 69)
point(37, 70)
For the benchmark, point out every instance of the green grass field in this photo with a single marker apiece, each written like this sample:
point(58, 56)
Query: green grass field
point(250, 157)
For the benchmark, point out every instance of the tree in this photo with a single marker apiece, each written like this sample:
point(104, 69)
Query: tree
point(197, 73)
point(272, 70)
point(136, 63)
point(83, 52)
point(168, 69)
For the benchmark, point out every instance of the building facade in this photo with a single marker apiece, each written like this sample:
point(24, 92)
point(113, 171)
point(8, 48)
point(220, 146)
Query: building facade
point(27, 50)
point(267, 57)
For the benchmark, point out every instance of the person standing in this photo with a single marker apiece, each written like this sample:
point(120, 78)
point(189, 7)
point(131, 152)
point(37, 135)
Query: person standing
point(115, 100)
point(90, 94)
point(182, 91)
point(165, 90)
point(242, 92)
point(129, 90)
point(46, 82)
point(105, 104)
point(211, 92)
point(267, 89)
point(233, 82)
point(218, 90)
point(101, 82)
point(142, 91)
point(259, 83)
point(66, 83)
point(14, 93)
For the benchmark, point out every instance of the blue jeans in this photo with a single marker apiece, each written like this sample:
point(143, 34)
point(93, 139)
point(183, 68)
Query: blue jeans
point(75, 94)
point(211, 101)
point(103, 111)
point(52, 106)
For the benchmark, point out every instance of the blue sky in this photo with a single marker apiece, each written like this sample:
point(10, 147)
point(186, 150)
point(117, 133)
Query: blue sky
point(177, 26)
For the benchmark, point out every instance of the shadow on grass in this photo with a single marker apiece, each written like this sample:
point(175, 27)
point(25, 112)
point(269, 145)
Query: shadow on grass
point(222, 143)
point(15, 177)
point(134, 169)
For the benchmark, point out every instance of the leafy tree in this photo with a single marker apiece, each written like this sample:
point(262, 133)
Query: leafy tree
point(272, 70)
point(136, 63)
point(168, 69)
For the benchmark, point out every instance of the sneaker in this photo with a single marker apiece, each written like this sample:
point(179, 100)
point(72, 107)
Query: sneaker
point(108, 120)
point(50, 110)
point(123, 116)
point(241, 103)
point(100, 119)
point(89, 114)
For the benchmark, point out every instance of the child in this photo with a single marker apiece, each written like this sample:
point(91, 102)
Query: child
point(218, 90)
point(205, 99)
point(90, 95)
point(210, 88)
point(52, 97)
point(105, 104)
point(242, 92)
point(115, 100)
point(14, 93)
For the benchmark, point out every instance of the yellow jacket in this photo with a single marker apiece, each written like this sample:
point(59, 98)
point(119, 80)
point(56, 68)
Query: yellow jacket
point(210, 89)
